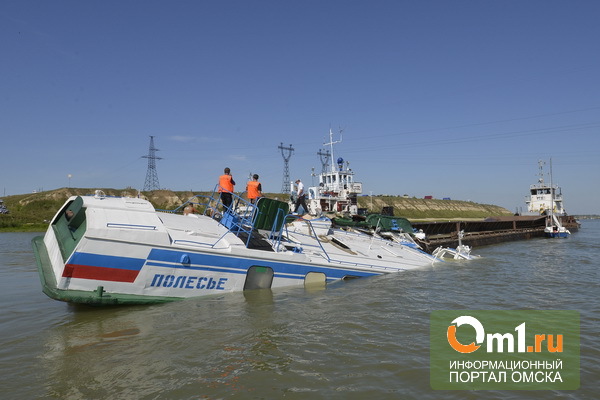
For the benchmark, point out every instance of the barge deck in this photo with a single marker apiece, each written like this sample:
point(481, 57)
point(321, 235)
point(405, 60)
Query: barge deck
point(481, 233)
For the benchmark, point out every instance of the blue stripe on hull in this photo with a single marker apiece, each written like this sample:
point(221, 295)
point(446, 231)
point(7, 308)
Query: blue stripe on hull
point(159, 258)
point(182, 260)
point(557, 235)
point(107, 261)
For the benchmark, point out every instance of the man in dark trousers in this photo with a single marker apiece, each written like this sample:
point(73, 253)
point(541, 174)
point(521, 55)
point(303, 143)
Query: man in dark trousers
point(300, 197)
point(226, 184)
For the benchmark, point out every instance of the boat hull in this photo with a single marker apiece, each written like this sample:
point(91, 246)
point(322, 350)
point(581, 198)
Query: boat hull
point(93, 296)
point(106, 276)
point(556, 234)
point(117, 251)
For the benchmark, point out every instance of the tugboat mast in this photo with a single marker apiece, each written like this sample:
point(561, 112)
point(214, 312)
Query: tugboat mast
point(541, 174)
point(330, 144)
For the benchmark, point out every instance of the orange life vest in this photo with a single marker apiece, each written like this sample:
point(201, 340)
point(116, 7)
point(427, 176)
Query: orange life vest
point(225, 184)
point(252, 189)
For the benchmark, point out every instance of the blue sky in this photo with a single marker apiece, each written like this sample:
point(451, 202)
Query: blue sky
point(452, 99)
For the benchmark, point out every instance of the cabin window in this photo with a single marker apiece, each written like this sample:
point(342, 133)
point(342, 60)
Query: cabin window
point(69, 226)
point(258, 277)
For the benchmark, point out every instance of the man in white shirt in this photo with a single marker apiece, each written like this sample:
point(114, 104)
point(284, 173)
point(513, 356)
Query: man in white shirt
point(300, 197)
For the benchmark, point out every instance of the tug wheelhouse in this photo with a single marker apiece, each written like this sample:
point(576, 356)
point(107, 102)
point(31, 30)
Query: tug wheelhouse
point(337, 191)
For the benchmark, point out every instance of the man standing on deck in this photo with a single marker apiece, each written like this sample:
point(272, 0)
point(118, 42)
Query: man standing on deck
point(254, 189)
point(300, 197)
point(226, 184)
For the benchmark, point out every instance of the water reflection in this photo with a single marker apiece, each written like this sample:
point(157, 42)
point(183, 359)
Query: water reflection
point(202, 345)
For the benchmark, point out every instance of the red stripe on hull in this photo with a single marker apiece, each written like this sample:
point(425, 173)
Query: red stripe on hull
point(99, 273)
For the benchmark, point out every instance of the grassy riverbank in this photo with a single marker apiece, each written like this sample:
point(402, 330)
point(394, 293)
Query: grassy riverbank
point(431, 209)
point(33, 211)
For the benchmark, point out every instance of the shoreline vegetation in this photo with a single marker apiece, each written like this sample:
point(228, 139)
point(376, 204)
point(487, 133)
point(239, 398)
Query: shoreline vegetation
point(32, 212)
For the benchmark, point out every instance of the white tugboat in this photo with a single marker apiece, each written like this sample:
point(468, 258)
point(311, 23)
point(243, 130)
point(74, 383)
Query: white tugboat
point(544, 198)
point(337, 197)
point(336, 191)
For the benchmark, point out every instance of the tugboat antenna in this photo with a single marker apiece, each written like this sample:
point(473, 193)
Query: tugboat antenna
point(541, 173)
point(330, 144)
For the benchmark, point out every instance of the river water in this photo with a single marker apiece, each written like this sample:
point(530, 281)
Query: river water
point(362, 339)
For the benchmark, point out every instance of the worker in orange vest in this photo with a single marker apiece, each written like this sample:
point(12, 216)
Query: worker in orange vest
point(254, 189)
point(226, 184)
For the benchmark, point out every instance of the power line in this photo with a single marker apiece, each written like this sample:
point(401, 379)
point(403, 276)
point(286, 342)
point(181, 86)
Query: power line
point(324, 156)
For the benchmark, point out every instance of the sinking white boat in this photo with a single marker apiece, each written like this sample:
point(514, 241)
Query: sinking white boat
point(109, 250)
point(461, 252)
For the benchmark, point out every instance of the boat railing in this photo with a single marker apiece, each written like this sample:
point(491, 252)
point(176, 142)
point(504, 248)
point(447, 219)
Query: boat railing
point(243, 218)
point(325, 255)
point(238, 218)
point(276, 231)
point(312, 233)
point(311, 229)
